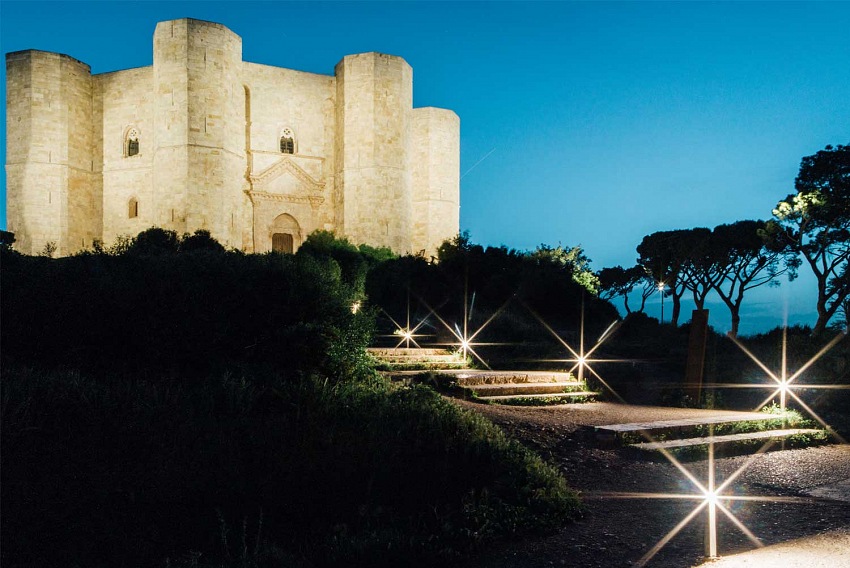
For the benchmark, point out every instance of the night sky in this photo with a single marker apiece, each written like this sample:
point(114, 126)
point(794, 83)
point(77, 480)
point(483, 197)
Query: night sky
point(587, 124)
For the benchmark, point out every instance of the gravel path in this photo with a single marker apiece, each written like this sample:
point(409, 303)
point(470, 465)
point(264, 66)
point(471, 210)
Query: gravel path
point(827, 550)
point(809, 484)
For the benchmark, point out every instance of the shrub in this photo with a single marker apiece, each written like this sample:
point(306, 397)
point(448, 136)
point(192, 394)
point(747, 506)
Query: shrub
point(130, 472)
point(187, 314)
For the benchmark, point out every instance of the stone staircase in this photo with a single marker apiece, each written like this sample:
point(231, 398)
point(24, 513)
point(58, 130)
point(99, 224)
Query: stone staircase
point(450, 372)
point(520, 387)
point(730, 433)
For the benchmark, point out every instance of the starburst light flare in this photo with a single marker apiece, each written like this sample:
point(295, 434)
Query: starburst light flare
point(783, 385)
point(407, 334)
point(582, 359)
point(709, 496)
point(466, 341)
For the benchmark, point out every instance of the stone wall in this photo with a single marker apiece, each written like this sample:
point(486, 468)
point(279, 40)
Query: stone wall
point(124, 100)
point(216, 137)
point(299, 185)
point(170, 125)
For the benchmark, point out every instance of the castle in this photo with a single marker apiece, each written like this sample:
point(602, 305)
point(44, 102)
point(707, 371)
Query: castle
point(260, 156)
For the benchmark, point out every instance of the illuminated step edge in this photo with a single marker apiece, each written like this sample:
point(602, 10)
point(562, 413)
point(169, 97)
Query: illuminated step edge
point(402, 351)
point(453, 361)
point(688, 422)
point(417, 367)
point(689, 442)
point(564, 395)
point(470, 377)
point(524, 389)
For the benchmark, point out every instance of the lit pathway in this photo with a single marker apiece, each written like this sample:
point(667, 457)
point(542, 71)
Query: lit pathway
point(827, 550)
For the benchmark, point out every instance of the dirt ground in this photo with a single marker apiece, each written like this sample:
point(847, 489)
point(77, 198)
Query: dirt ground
point(807, 490)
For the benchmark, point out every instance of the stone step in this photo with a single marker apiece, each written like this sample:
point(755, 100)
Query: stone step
point(524, 389)
point(414, 359)
point(540, 396)
point(420, 359)
point(402, 351)
point(472, 377)
point(417, 367)
point(680, 422)
point(680, 428)
point(729, 438)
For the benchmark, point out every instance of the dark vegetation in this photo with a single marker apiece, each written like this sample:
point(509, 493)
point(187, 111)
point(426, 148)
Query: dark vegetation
point(510, 297)
point(810, 227)
point(653, 358)
point(166, 402)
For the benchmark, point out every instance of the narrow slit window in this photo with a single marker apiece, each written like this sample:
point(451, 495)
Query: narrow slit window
point(133, 208)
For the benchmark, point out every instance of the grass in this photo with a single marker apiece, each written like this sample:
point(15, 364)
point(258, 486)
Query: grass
point(248, 468)
point(538, 401)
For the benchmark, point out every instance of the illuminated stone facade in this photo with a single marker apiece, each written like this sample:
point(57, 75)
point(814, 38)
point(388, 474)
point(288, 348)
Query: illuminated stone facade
point(260, 156)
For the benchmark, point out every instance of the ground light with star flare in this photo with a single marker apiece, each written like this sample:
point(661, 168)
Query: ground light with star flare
point(581, 359)
point(465, 340)
point(709, 496)
point(782, 384)
point(406, 333)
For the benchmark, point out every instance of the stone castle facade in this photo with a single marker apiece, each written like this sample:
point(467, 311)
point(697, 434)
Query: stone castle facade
point(260, 156)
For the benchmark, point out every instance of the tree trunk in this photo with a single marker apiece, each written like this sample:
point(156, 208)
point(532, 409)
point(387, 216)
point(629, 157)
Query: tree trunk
point(824, 315)
point(736, 320)
point(822, 277)
point(677, 307)
point(699, 302)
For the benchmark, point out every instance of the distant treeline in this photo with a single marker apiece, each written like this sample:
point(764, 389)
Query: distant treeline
point(810, 227)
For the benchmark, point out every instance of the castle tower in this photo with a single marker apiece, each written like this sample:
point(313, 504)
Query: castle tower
point(49, 159)
point(199, 129)
point(435, 163)
point(374, 98)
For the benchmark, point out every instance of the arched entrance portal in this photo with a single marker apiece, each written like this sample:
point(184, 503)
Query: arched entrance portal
point(286, 234)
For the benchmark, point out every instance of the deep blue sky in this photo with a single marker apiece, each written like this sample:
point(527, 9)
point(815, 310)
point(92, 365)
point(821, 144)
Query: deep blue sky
point(600, 122)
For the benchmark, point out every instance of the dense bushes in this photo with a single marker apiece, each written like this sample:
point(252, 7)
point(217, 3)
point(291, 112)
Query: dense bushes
point(652, 360)
point(166, 401)
point(129, 472)
point(511, 285)
point(151, 308)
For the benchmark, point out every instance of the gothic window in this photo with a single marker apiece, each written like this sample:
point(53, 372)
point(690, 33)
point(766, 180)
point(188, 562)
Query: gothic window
point(131, 143)
point(133, 208)
point(287, 141)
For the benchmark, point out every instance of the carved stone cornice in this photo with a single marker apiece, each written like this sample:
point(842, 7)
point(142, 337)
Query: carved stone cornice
point(285, 164)
point(311, 200)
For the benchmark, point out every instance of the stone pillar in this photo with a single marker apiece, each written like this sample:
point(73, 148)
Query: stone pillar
point(696, 354)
